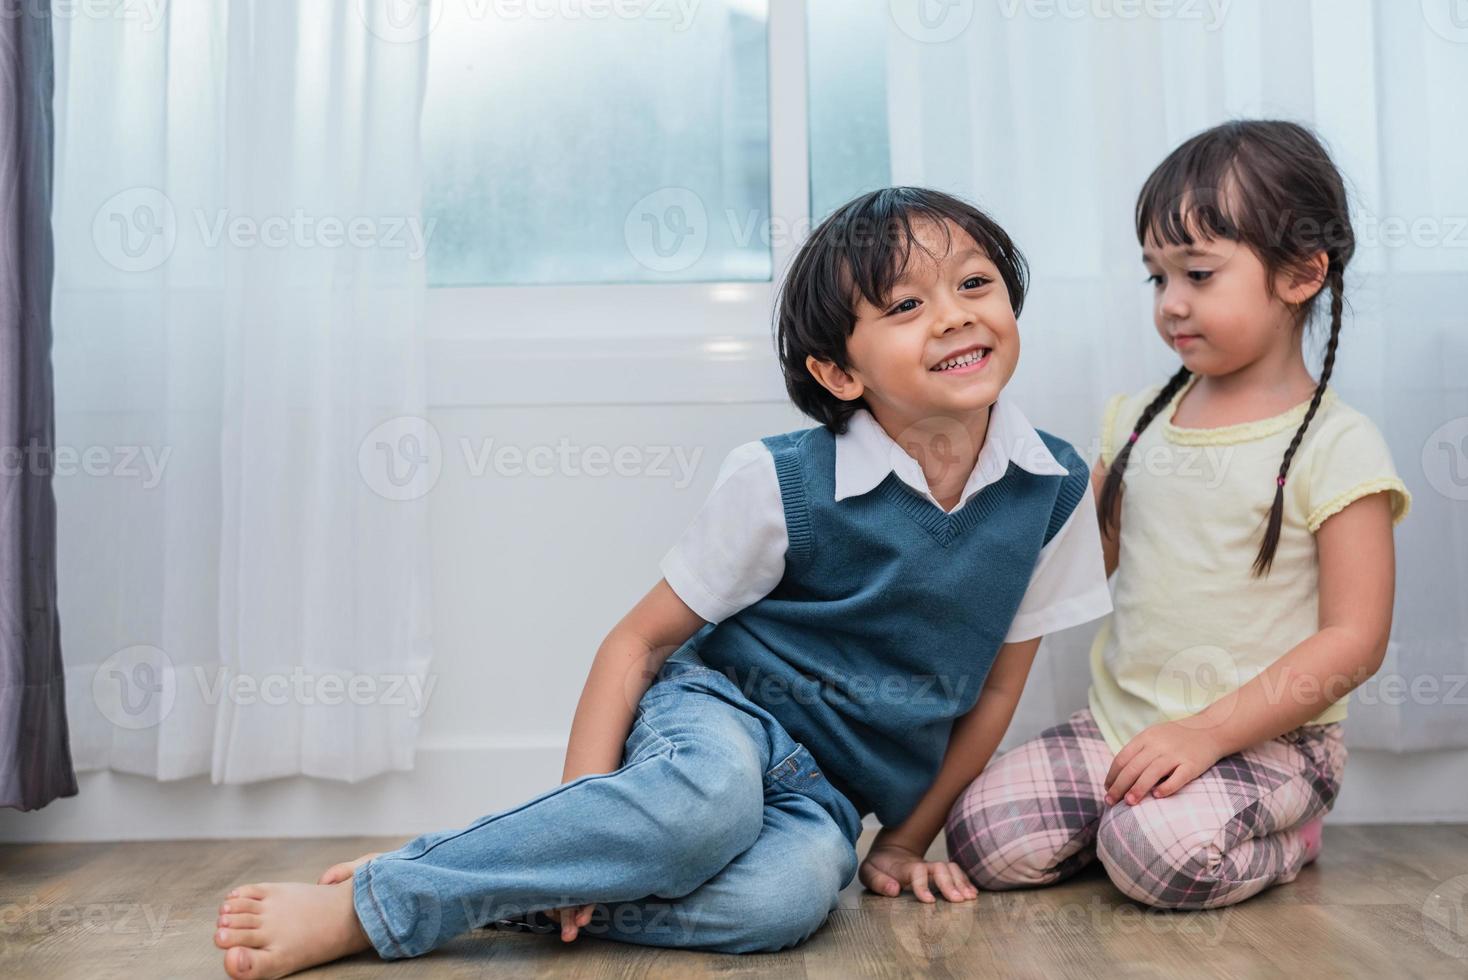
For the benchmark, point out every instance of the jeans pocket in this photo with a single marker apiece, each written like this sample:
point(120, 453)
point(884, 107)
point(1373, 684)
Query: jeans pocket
point(797, 771)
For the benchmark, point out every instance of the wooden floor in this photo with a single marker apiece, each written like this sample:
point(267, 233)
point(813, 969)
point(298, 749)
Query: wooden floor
point(1381, 902)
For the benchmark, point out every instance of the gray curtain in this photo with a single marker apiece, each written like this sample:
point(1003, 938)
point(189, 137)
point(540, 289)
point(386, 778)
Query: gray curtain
point(35, 754)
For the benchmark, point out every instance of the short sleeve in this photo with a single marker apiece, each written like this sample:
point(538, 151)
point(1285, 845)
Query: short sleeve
point(1068, 585)
point(1350, 460)
point(733, 551)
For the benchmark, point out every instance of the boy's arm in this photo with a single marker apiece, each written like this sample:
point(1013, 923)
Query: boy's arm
point(973, 740)
point(624, 666)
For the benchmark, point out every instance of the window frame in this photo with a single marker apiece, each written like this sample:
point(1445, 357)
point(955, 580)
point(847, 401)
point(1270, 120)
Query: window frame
point(637, 343)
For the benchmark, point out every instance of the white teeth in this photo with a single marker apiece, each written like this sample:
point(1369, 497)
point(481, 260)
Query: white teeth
point(969, 358)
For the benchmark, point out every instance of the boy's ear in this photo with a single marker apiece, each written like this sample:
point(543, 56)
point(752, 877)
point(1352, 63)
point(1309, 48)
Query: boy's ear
point(1301, 283)
point(834, 379)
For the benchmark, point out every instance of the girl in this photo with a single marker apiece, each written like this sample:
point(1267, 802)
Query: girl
point(831, 655)
point(1248, 515)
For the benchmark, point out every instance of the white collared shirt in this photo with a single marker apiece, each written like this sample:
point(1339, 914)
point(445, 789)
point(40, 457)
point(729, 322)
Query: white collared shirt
point(733, 552)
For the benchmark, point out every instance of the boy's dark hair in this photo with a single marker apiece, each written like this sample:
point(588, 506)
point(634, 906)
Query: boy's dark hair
point(1269, 185)
point(861, 250)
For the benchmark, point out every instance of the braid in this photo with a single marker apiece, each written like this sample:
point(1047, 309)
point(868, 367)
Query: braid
point(1335, 278)
point(1111, 489)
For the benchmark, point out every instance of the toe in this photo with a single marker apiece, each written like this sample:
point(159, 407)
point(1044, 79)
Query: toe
point(241, 963)
point(335, 873)
point(225, 938)
point(239, 920)
point(251, 905)
point(248, 891)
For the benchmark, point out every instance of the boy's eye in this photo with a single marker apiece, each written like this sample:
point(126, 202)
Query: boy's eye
point(905, 306)
point(1156, 280)
point(976, 282)
point(1200, 275)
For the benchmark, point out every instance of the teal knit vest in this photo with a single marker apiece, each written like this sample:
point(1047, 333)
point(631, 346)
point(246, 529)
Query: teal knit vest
point(889, 615)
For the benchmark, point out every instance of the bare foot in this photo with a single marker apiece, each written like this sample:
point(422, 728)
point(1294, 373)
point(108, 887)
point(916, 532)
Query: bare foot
point(343, 871)
point(274, 929)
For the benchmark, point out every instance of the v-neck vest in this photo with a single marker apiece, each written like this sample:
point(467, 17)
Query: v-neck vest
point(889, 614)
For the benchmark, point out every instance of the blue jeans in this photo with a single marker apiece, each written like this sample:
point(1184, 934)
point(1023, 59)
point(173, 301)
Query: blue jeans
point(718, 832)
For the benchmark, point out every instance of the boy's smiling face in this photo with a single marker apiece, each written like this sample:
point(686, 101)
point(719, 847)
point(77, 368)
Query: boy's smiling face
point(950, 301)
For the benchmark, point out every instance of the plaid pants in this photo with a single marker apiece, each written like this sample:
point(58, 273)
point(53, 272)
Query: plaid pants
point(1037, 815)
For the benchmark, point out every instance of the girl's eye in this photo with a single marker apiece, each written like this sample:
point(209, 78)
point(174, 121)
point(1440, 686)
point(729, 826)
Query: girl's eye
point(905, 306)
point(1200, 275)
point(1155, 280)
point(976, 282)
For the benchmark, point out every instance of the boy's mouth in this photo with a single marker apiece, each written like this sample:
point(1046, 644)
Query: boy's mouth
point(969, 359)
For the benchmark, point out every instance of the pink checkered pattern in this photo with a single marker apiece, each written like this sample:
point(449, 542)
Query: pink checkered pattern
point(1036, 815)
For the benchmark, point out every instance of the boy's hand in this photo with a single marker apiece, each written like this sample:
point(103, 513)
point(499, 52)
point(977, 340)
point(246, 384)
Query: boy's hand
point(1161, 760)
point(571, 919)
point(888, 867)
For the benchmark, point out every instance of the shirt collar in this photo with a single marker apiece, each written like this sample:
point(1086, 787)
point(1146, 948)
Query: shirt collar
point(865, 454)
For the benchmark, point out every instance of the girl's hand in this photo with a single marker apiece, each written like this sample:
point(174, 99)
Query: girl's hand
point(888, 867)
point(1161, 760)
point(571, 919)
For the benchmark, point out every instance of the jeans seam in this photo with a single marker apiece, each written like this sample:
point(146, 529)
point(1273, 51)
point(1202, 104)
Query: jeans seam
point(381, 914)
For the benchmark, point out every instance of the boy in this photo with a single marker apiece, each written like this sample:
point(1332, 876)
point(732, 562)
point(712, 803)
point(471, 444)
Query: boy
point(845, 628)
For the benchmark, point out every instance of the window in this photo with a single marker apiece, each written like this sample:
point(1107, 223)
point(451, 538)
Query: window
point(649, 163)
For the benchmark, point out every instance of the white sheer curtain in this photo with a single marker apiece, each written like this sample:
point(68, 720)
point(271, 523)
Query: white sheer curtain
point(240, 278)
point(1052, 115)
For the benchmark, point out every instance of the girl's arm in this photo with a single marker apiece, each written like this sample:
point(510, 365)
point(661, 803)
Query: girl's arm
point(1357, 583)
point(896, 855)
point(625, 665)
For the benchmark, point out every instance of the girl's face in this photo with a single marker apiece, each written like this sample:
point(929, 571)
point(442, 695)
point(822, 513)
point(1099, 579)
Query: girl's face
point(950, 302)
point(1212, 303)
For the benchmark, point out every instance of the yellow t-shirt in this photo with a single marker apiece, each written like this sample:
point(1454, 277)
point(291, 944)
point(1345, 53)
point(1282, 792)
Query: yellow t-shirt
point(1190, 622)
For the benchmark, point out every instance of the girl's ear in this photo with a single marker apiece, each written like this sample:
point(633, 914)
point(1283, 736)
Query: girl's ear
point(834, 379)
point(1300, 283)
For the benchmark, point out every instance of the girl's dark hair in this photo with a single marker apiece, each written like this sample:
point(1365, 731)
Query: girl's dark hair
point(860, 251)
point(1269, 185)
